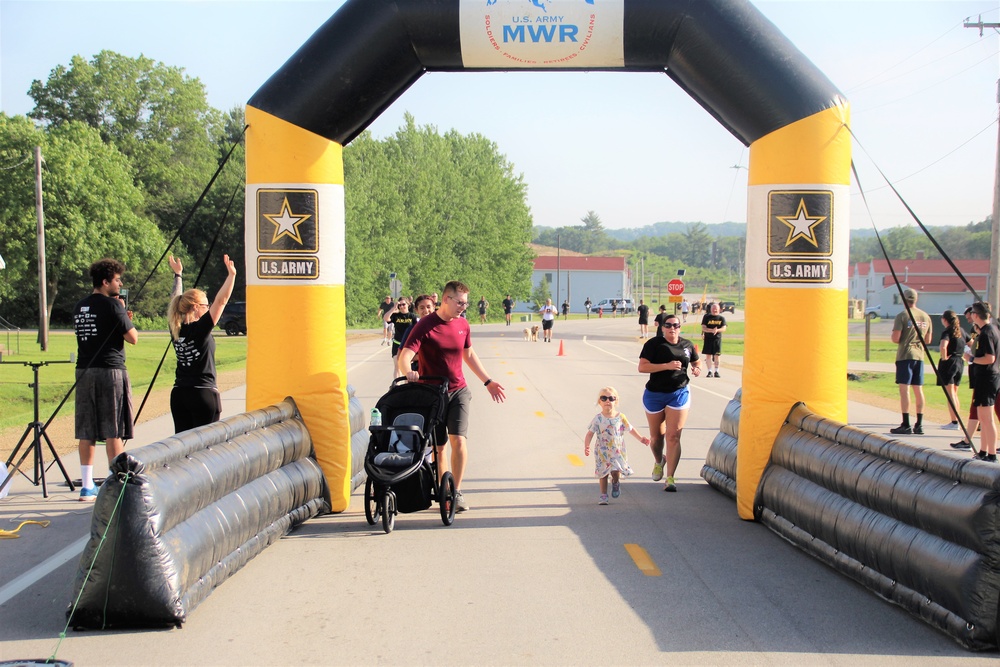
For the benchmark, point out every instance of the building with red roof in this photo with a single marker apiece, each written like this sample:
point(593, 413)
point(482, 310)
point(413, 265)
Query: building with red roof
point(939, 287)
point(574, 278)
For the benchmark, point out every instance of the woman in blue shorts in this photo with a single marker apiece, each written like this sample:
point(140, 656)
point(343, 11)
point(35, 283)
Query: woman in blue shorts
point(667, 397)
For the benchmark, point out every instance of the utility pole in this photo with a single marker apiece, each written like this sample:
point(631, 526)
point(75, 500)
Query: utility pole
point(993, 281)
point(43, 302)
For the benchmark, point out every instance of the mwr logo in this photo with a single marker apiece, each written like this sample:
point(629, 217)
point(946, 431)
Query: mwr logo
point(287, 221)
point(800, 222)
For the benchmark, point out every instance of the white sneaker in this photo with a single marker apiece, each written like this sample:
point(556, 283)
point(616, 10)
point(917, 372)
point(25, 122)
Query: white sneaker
point(950, 426)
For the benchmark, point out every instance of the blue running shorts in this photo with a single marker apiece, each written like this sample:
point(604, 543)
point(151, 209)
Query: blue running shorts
point(658, 401)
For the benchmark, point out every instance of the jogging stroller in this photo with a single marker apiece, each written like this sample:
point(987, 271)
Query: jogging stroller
point(401, 461)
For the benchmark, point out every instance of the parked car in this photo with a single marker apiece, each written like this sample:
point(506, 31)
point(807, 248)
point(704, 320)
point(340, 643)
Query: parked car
point(727, 306)
point(234, 318)
point(872, 311)
point(623, 305)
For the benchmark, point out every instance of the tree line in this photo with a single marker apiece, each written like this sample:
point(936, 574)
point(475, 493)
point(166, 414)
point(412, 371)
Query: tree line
point(129, 144)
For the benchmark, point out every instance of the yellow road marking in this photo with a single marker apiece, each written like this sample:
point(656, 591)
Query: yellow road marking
point(642, 560)
point(521, 389)
point(575, 460)
point(539, 413)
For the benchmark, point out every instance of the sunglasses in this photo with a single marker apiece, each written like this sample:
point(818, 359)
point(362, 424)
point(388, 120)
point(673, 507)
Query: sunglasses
point(672, 325)
point(608, 399)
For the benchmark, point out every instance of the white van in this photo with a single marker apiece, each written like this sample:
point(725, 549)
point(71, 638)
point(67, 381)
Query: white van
point(622, 305)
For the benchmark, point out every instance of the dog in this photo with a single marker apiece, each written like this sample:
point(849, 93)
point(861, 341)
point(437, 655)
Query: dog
point(527, 333)
point(534, 333)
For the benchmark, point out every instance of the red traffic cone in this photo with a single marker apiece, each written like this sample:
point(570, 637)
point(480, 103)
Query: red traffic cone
point(561, 352)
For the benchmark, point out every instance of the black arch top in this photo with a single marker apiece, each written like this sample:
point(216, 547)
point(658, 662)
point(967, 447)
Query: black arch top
point(724, 53)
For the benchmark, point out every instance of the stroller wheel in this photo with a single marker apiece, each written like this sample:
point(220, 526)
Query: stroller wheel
point(371, 503)
point(388, 511)
point(446, 499)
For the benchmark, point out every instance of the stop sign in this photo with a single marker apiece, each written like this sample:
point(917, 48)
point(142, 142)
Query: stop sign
point(676, 287)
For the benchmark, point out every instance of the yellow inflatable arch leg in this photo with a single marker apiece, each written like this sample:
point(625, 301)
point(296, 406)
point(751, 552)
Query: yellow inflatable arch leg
point(295, 285)
point(798, 236)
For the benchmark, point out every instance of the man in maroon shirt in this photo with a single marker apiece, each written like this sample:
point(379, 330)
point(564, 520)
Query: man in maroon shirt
point(441, 341)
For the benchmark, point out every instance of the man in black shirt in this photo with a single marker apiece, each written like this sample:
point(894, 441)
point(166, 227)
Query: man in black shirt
point(508, 306)
point(103, 390)
point(986, 358)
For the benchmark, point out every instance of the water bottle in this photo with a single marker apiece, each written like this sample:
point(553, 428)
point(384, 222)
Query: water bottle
point(376, 417)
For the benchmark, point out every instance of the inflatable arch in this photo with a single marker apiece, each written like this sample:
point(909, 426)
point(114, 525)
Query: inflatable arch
point(723, 53)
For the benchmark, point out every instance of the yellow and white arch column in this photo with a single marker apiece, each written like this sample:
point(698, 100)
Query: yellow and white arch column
point(295, 285)
point(798, 236)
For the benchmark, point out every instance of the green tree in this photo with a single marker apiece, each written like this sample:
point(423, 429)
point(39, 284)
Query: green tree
point(91, 211)
point(540, 294)
point(154, 114)
point(432, 208)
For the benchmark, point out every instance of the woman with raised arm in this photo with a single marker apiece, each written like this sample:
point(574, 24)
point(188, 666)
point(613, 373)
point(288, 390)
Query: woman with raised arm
point(195, 398)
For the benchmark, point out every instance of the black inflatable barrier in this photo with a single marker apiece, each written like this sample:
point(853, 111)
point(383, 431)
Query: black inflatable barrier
point(359, 438)
point(720, 463)
point(184, 514)
point(917, 526)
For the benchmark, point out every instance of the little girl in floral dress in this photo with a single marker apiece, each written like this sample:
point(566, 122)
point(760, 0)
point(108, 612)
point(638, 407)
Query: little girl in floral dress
point(610, 457)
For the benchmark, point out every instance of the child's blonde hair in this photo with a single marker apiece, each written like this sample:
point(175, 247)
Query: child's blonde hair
point(607, 391)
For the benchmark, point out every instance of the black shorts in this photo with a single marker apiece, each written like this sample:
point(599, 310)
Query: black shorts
point(712, 346)
point(950, 371)
point(987, 386)
point(547, 324)
point(643, 320)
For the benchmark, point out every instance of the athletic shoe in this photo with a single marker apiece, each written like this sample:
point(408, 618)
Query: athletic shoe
point(460, 504)
point(670, 486)
point(952, 426)
point(918, 429)
point(657, 472)
point(616, 489)
point(902, 429)
point(981, 455)
point(87, 495)
point(991, 458)
point(602, 499)
point(961, 444)
point(716, 373)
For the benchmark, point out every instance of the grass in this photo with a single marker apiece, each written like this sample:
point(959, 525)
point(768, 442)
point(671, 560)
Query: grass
point(231, 352)
point(56, 379)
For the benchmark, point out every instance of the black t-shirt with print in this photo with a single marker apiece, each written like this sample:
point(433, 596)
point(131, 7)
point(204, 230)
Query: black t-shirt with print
point(100, 323)
point(195, 348)
point(659, 351)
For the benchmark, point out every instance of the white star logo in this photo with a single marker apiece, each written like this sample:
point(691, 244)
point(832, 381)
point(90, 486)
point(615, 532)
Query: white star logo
point(286, 223)
point(802, 225)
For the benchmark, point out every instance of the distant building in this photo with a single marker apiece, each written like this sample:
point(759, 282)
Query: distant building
point(935, 281)
point(579, 277)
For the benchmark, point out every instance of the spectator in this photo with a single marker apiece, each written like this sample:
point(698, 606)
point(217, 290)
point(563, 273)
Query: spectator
point(910, 340)
point(103, 391)
point(951, 363)
point(587, 304)
point(986, 357)
point(195, 399)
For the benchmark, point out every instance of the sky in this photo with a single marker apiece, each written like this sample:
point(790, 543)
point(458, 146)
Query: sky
point(633, 148)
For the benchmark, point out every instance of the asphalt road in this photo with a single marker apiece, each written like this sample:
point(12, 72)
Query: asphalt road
point(535, 574)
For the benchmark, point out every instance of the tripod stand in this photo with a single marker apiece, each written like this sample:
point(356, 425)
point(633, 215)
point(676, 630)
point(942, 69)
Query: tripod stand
point(37, 432)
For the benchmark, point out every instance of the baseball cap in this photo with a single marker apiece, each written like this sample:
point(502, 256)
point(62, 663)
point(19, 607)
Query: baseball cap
point(910, 294)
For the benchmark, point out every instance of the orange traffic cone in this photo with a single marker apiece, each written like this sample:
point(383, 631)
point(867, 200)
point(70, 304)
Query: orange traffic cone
point(561, 352)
